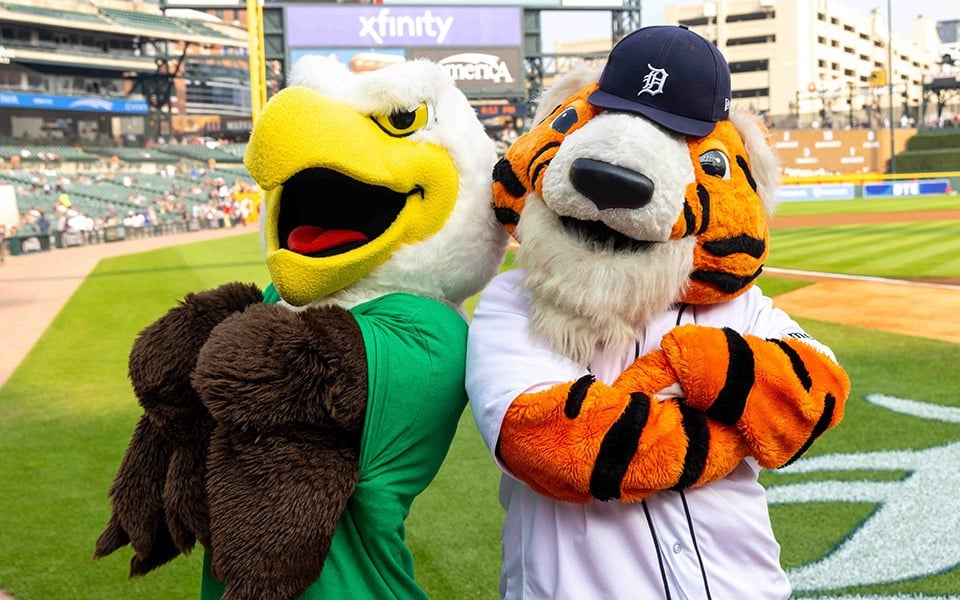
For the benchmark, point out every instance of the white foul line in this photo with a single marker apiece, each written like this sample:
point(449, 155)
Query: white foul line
point(818, 274)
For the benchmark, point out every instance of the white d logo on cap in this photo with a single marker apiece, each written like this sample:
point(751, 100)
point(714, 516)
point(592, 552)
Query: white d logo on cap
point(653, 81)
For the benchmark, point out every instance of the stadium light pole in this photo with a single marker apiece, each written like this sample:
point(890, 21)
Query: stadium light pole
point(258, 83)
point(893, 157)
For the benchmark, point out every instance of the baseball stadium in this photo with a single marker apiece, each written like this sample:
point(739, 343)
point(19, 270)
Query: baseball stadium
point(123, 130)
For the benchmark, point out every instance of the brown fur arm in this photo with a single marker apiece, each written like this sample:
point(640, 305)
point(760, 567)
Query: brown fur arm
point(781, 394)
point(157, 497)
point(288, 392)
point(584, 439)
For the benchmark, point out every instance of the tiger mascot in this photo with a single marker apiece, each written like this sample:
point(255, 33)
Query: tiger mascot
point(628, 377)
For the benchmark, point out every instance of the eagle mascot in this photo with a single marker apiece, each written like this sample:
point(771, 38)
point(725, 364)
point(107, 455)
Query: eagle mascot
point(288, 430)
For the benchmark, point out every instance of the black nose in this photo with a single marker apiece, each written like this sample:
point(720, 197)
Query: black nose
point(610, 186)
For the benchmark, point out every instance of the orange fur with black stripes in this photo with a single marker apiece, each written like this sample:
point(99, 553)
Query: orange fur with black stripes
point(600, 265)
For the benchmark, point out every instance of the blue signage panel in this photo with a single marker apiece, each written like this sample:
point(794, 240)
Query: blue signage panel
point(840, 191)
point(402, 26)
point(899, 189)
point(102, 105)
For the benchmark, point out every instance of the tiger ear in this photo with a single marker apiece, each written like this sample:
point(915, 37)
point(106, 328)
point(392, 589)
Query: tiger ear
point(509, 194)
point(764, 163)
point(566, 85)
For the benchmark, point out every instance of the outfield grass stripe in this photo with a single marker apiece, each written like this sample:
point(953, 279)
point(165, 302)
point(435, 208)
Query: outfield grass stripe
point(800, 242)
point(941, 259)
point(878, 249)
point(817, 250)
point(864, 205)
point(893, 257)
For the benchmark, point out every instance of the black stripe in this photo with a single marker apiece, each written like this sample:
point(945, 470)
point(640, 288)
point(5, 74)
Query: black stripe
point(746, 171)
point(503, 173)
point(656, 545)
point(618, 447)
point(738, 243)
point(576, 395)
point(698, 444)
point(725, 282)
point(537, 171)
point(693, 536)
point(704, 197)
point(537, 155)
point(797, 363)
point(497, 453)
point(730, 402)
point(688, 218)
point(829, 404)
point(506, 216)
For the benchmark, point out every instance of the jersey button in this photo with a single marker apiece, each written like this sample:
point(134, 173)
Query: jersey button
point(676, 548)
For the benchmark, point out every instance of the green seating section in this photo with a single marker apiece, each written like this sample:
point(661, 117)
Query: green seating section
point(143, 20)
point(202, 153)
point(931, 151)
point(55, 13)
point(133, 155)
point(198, 27)
point(42, 153)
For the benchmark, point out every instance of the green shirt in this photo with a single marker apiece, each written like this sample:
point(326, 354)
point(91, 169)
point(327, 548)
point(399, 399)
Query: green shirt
point(416, 350)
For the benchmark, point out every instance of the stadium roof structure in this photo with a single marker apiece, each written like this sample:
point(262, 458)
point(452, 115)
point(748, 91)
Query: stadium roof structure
point(135, 23)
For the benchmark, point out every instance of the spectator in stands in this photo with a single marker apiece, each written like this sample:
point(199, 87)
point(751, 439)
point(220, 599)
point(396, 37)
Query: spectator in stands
point(43, 224)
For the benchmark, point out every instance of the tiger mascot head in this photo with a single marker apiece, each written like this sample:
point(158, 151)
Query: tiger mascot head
point(637, 188)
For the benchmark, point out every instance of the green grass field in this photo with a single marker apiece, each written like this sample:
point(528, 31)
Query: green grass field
point(68, 411)
point(868, 205)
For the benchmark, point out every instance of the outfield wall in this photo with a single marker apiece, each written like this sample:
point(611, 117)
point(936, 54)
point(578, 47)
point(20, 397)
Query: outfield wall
point(837, 151)
point(902, 186)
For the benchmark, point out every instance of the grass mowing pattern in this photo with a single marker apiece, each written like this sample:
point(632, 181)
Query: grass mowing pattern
point(868, 205)
point(67, 413)
point(894, 250)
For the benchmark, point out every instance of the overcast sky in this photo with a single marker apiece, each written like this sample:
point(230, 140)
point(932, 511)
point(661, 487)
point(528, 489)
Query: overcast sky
point(573, 26)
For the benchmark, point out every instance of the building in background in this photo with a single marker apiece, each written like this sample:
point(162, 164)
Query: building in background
point(818, 63)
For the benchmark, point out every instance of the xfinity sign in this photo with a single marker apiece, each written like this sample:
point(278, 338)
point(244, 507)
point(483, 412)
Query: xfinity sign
point(385, 26)
point(401, 26)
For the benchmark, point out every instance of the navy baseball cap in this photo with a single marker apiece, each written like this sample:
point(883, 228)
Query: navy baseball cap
point(670, 75)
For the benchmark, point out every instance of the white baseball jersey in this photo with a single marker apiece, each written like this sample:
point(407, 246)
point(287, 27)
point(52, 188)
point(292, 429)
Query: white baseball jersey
point(710, 542)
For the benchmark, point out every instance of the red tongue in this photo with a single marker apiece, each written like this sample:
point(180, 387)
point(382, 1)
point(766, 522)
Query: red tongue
point(308, 239)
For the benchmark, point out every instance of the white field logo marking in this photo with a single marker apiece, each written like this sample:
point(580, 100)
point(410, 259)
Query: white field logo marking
point(915, 528)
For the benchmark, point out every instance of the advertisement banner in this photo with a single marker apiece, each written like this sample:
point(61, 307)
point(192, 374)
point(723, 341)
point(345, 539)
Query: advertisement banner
point(794, 193)
point(488, 72)
point(69, 239)
point(357, 60)
point(29, 243)
point(48, 102)
point(524, 3)
point(899, 189)
point(401, 26)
